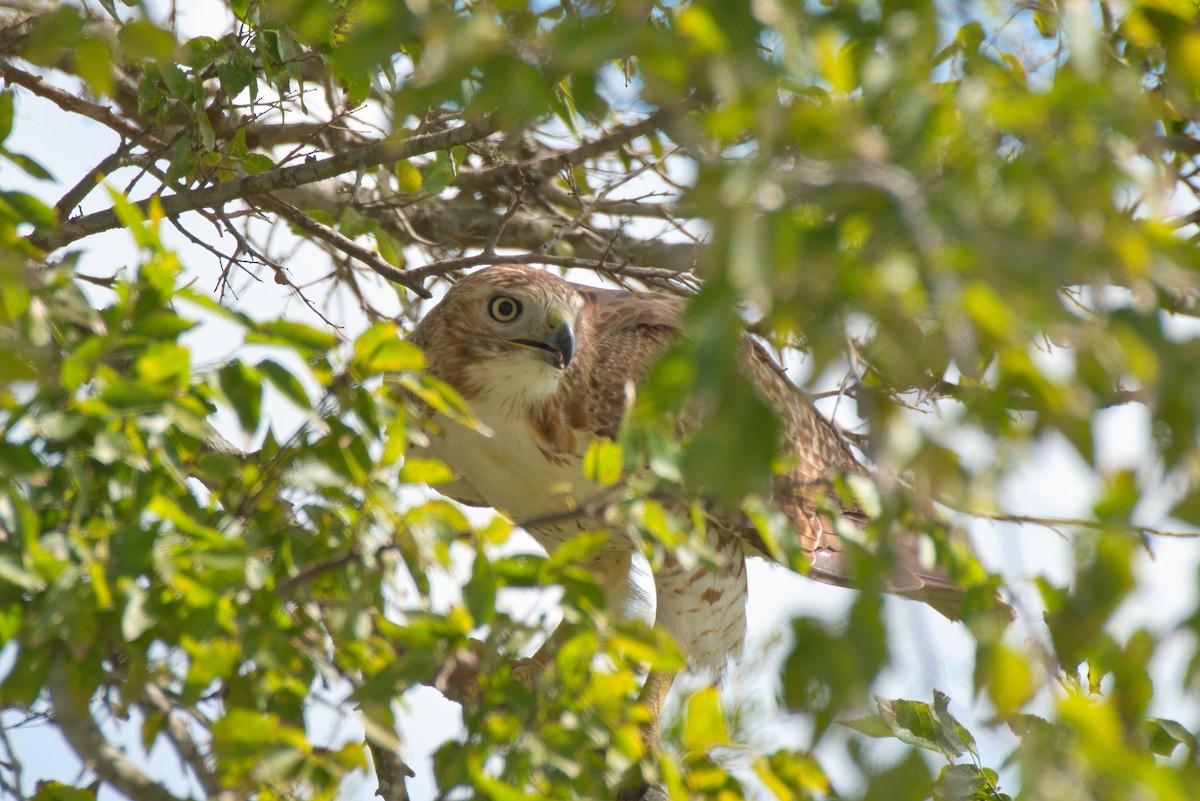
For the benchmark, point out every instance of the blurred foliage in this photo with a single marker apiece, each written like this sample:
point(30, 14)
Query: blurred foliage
point(985, 208)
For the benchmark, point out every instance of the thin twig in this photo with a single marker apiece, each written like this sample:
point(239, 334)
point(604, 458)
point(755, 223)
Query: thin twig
point(1057, 523)
point(84, 186)
point(587, 207)
point(513, 205)
point(340, 241)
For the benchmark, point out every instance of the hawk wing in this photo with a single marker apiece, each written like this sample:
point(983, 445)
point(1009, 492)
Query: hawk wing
point(632, 329)
point(818, 455)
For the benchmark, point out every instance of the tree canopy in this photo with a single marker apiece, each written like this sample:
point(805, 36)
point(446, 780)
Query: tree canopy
point(969, 227)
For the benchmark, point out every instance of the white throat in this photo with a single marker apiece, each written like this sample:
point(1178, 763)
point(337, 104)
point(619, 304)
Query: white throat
point(508, 387)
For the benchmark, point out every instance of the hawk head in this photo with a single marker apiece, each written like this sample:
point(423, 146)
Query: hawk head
point(505, 335)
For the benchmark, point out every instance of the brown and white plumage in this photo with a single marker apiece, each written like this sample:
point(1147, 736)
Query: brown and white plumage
point(558, 373)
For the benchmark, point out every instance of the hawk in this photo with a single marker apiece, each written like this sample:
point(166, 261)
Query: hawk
point(546, 366)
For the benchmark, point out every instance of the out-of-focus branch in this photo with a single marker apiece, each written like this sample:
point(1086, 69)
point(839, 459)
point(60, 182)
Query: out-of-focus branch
point(11, 769)
point(892, 180)
point(963, 393)
point(80, 730)
point(177, 732)
point(215, 196)
point(1058, 523)
point(390, 771)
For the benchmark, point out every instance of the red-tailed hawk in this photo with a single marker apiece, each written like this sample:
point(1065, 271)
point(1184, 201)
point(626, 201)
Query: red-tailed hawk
point(547, 366)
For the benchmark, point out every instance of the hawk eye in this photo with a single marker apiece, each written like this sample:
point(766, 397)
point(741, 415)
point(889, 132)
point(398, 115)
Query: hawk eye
point(504, 309)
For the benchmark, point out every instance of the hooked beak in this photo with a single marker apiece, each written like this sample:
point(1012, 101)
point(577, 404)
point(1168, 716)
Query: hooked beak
point(556, 348)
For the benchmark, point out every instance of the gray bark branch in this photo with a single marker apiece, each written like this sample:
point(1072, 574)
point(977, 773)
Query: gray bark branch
point(80, 730)
point(271, 180)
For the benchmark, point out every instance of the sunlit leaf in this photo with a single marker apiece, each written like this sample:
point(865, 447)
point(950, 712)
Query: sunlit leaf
point(704, 722)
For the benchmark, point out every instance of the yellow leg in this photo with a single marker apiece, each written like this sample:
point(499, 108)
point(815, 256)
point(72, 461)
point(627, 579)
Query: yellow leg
point(653, 696)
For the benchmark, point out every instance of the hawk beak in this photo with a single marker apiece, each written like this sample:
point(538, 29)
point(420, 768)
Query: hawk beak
point(556, 348)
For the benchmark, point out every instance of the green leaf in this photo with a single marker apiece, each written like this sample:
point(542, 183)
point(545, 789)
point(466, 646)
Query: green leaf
point(577, 549)
point(872, 726)
point(520, 571)
point(286, 382)
point(1047, 22)
point(704, 726)
point(298, 336)
point(57, 791)
point(133, 395)
point(953, 733)
point(164, 362)
point(53, 33)
point(236, 73)
point(242, 387)
point(6, 114)
point(436, 176)
point(380, 350)
point(254, 163)
point(425, 471)
point(959, 783)
point(1164, 736)
point(479, 593)
point(30, 209)
point(28, 165)
point(249, 744)
point(1006, 675)
point(183, 159)
point(408, 177)
point(93, 63)
point(145, 41)
point(916, 723)
point(133, 219)
point(208, 138)
point(602, 462)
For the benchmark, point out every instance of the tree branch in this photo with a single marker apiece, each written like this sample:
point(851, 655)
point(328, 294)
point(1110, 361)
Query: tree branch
point(1056, 523)
point(177, 732)
point(81, 731)
point(268, 181)
point(631, 270)
point(466, 219)
point(68, 102)
point(536, 169)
